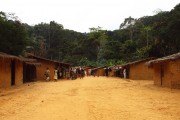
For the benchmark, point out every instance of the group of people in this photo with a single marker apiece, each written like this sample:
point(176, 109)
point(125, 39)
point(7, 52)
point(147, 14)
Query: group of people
point(120, 72)
point(107, 70)
point(58, 73)
point(77, 72)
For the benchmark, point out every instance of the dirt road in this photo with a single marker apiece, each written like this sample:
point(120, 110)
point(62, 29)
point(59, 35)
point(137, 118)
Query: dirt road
point(98, 98)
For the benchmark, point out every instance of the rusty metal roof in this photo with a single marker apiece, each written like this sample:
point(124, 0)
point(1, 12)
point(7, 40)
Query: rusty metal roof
point(33, 63)
point(163, 59)
point(134, 62)
point(5, 55)
point(36, 57)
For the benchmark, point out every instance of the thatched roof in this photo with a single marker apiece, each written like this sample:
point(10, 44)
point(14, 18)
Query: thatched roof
point(163, 59)
point(36, 57)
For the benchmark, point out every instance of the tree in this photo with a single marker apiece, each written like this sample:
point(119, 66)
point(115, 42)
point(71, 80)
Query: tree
point(147, 29)
point(12, 35)
point(99, 38)
point(127, 22)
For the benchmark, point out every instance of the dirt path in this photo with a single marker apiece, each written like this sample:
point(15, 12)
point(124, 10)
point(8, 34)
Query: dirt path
point(98, 98)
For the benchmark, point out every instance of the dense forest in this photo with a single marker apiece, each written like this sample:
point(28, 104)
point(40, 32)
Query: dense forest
point(136, 38)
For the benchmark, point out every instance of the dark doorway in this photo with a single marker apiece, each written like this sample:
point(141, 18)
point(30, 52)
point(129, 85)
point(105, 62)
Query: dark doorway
point(162, 74)
point(128, 71)
point(13, 72)
point(29, 73)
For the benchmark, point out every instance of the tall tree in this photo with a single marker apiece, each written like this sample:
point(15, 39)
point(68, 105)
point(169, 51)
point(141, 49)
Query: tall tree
point(12, 35)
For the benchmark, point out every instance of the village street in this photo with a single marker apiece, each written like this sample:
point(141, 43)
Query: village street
point(91, 98)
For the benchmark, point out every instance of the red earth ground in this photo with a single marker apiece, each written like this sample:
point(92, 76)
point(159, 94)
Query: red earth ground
point(91, 98)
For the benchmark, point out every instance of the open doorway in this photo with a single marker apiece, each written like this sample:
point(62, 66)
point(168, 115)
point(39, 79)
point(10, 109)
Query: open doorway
point(162, 74)
point(29, 73)
point(13, 72)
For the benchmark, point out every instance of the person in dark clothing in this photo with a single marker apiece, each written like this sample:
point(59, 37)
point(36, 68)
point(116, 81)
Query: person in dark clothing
point(106, 72)
point(82, 73)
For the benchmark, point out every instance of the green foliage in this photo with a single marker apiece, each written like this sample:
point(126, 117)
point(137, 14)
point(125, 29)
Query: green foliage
point(143, 52)
point(148, 36)
point(12, 35)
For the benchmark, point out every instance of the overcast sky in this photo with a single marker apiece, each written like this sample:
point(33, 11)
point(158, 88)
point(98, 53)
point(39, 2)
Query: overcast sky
point(80, 15)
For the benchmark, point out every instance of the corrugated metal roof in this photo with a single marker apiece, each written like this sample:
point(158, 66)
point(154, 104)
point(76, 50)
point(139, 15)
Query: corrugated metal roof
point(134, 62)
point(28, 59)
point(163, 59)
point(97, 68)
point(4, 55)
point(36, 57)
point(33, 63)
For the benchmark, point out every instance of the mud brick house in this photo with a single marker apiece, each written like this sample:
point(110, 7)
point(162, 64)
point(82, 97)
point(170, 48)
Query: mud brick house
point(115, 71)
point(88, 69)
point(166, 71)
point(11, 70)
point(64, 68)
point(137, 70)
point(99, 71)
point(29, 69)
point(16, 70)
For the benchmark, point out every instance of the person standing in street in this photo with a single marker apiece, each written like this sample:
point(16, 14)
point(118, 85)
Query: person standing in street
point(47, 74)
point(124, 73)
point(55, 74)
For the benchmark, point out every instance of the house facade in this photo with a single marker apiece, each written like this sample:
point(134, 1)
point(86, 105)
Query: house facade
point(63, 68)
point(11, 71)
point(137, 70)
point(166, 71)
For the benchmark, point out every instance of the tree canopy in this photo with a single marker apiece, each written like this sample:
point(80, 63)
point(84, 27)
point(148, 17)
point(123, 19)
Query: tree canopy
point(136, 38)
point(12, 35)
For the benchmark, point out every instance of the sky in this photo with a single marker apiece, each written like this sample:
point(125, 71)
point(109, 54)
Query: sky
point(80, 15)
